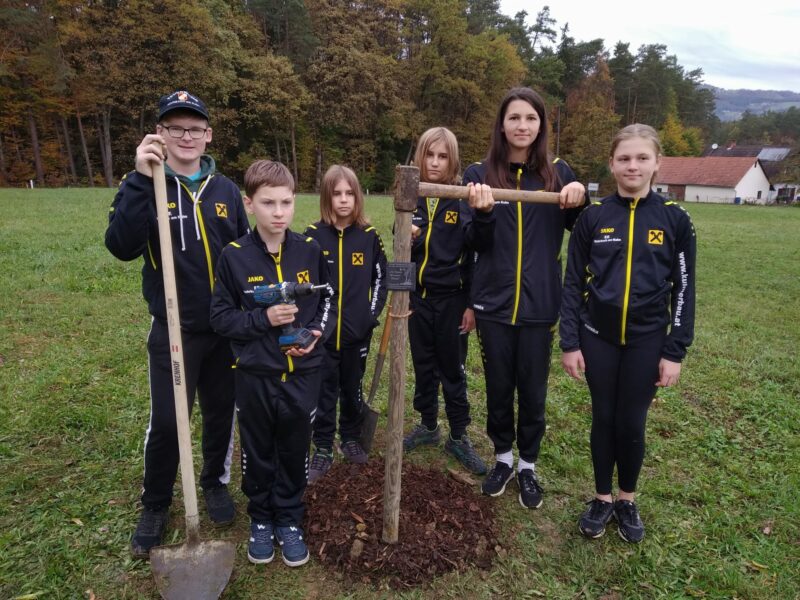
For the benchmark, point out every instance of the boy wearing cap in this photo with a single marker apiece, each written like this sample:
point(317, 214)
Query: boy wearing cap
point(206, 213)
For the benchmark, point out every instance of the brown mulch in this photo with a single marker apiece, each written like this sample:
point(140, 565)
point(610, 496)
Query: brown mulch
point(445, 525)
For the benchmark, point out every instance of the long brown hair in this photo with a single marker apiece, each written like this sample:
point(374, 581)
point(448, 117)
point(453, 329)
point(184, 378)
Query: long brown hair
point(539, 158)
point(333, 176)
point(428, 139)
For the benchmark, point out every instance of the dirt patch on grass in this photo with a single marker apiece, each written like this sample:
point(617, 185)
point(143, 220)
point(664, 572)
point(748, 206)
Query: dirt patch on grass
point(445, 525)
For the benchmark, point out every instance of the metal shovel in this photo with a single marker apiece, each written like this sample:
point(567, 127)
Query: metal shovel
point(194, 570)
point(371, 417)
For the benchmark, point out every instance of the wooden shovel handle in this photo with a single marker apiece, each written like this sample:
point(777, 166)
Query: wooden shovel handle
point(176, 355)
point(435, 190)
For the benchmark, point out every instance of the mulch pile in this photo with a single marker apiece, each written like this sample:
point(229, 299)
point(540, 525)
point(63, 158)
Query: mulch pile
point(445, 525)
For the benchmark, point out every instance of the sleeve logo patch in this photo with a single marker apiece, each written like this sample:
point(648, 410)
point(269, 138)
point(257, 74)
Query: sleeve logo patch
point(358, 259)
point(451, 217)
point(655, 236)
point(222, 210)
point(303, 277)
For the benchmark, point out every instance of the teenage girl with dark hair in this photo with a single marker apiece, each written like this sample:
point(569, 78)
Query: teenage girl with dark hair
point(357, 263)
point(516, 287)
point(630, 279)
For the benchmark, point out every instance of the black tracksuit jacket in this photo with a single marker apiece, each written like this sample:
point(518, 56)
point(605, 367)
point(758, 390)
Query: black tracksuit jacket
point(247, 263)
point(631, 272)
point(517, 274)
point(357, 264)
point(200, 228)
point(442, 251)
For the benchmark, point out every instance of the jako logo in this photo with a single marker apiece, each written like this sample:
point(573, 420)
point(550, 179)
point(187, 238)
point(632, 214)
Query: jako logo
point(255, 278)
point(607, 230)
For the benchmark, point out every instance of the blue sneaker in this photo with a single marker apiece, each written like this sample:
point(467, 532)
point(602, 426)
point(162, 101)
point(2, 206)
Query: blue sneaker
point(293, 548)
point(260, 550)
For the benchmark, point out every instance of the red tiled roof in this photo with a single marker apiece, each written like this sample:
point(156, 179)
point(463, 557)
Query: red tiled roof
point(711, 170)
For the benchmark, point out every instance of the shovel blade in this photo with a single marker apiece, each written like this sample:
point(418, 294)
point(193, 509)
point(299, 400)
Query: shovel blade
point(368, 428)
point(197, 571)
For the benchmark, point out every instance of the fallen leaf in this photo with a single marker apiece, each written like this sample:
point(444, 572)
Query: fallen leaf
point(361, 527)
point(77, 522)
point(357, 517)
point(757, 566)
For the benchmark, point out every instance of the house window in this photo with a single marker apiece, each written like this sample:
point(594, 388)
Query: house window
point(758, 196)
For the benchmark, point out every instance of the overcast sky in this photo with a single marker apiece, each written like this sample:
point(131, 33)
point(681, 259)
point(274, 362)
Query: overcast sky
point(748, 45)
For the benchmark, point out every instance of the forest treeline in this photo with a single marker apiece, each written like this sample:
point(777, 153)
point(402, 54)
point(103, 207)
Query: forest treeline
point(316, 82)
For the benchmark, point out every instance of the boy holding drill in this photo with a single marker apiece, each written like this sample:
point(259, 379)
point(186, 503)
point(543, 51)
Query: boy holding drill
point(277, 367)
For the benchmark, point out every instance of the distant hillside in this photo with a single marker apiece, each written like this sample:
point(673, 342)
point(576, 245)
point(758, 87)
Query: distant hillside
point(732, 103)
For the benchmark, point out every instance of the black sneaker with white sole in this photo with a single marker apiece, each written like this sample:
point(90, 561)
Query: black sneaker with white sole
point(149, 531)
point(593, 521)
point(495, 483)
point(530, 492)
point(631, 528)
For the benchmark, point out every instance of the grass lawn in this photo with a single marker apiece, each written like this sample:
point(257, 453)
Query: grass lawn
point(720, 490)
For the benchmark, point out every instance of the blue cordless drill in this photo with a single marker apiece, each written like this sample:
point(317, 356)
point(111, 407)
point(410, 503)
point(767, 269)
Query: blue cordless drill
point(287, 292)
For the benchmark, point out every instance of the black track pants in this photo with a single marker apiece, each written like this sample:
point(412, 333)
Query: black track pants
point(275, 419)
point(438, 351)
point(342, 374)
point(622, 384)
point(515, 358)
point(207, 363)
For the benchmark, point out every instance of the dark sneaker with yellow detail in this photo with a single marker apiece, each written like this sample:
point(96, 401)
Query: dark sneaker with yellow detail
point(353, 452)
point(593, 521)
point(260, 549)
point(495, 483)
point(421, 436)
point(320, 464)
point(530, 492)
point(463, 451)
point(294, 549)
point(219, 505)
point(631, 528)
point(149, 531)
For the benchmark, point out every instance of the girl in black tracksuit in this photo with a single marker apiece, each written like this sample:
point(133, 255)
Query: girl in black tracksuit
point(357, 262)
point(516, 286)
point(627, 318)
point(442, 318)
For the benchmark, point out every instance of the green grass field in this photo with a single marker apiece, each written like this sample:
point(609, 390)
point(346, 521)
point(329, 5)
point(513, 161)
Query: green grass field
point(720, 490)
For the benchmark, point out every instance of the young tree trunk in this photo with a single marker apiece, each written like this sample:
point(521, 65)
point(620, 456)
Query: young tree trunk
point(105, 150)
point(3, 165)
point(61, 152)
point(106, 117)
point(141, 122)
point(278, 149)
point(68, 143)
point(294, 157)
point(37, 154)
point(410, 151)
point(85, 150)
point(318, 179)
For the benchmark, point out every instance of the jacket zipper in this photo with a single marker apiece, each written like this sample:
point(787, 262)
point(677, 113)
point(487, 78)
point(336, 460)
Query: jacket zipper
point(431, 216)
point(280, 280)
point(341, 293)
point(628, 265)
point(519, 253)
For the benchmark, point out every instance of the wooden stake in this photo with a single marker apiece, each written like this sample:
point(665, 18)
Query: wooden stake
point(405, 202)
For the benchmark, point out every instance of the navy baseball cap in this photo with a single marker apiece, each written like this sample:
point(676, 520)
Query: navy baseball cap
point(181, 99)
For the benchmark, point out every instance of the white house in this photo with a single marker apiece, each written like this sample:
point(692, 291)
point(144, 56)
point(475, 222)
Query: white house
point(713, 179)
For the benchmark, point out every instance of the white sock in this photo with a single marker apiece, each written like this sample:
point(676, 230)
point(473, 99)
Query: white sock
point(506, 457)
point(525, 465)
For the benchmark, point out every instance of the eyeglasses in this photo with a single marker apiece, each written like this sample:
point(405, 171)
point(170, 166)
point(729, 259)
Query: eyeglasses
point(176, 131)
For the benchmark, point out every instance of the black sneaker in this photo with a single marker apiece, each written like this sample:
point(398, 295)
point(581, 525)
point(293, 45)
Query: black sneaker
point(219, 505)
point(320, 464)
point(495, 483)
point(149, 531)
point(593, 521)
point(353, 452)
point(530, 492)
point(631, 528)
point(463, 451)
point(421, 436)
